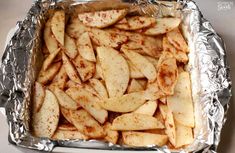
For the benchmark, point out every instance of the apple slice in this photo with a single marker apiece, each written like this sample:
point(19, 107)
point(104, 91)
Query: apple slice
point(167, 73)
point(184, 135)
point(70, 70)
point(125, 103)
point(89, 102)
point(70, 46)
point(147, 108)
point(132, 45)
point(60, 79)
point(58, 25)
point(102, 19)
point(135, 23)
point(162, 26)
point(85, 124)
point(85, 68)
point(111, 135)
point(146, 67)
point(98, 71)
point(143, 139)
point(135, 121)
point(177, 40)
point(170, 126)
point(145, 45)
point(104, 38)
point(134, 72)
point(178, 54)
point(152, 46)
point(85, 47)
point(49, 39)
point(38, 96)
point(65, 100)
point(68, 135)
point(46, 120)
point(48, 61)
point(45, 76)
point(76, 28)
point(91, 90)
point(153, 91)
point(115, 70)
point(149, 46)
point(99, 88)
point(181, 102)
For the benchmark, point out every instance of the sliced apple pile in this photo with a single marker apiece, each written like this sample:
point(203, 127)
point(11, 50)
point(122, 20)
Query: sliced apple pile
point(114, 76)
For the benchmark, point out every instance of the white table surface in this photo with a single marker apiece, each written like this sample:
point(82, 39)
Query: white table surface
point(223, 22)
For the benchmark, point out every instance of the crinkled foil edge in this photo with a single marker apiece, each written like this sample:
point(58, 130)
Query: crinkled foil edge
point(211, 83)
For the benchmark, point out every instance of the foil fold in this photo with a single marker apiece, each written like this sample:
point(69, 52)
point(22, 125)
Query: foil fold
point(211, 83)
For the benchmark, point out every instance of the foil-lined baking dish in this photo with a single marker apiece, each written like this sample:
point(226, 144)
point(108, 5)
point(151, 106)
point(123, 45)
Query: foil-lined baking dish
point(211, 84)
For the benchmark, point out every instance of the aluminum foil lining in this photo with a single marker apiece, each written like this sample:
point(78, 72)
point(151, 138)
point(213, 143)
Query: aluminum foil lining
point(211, 83)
